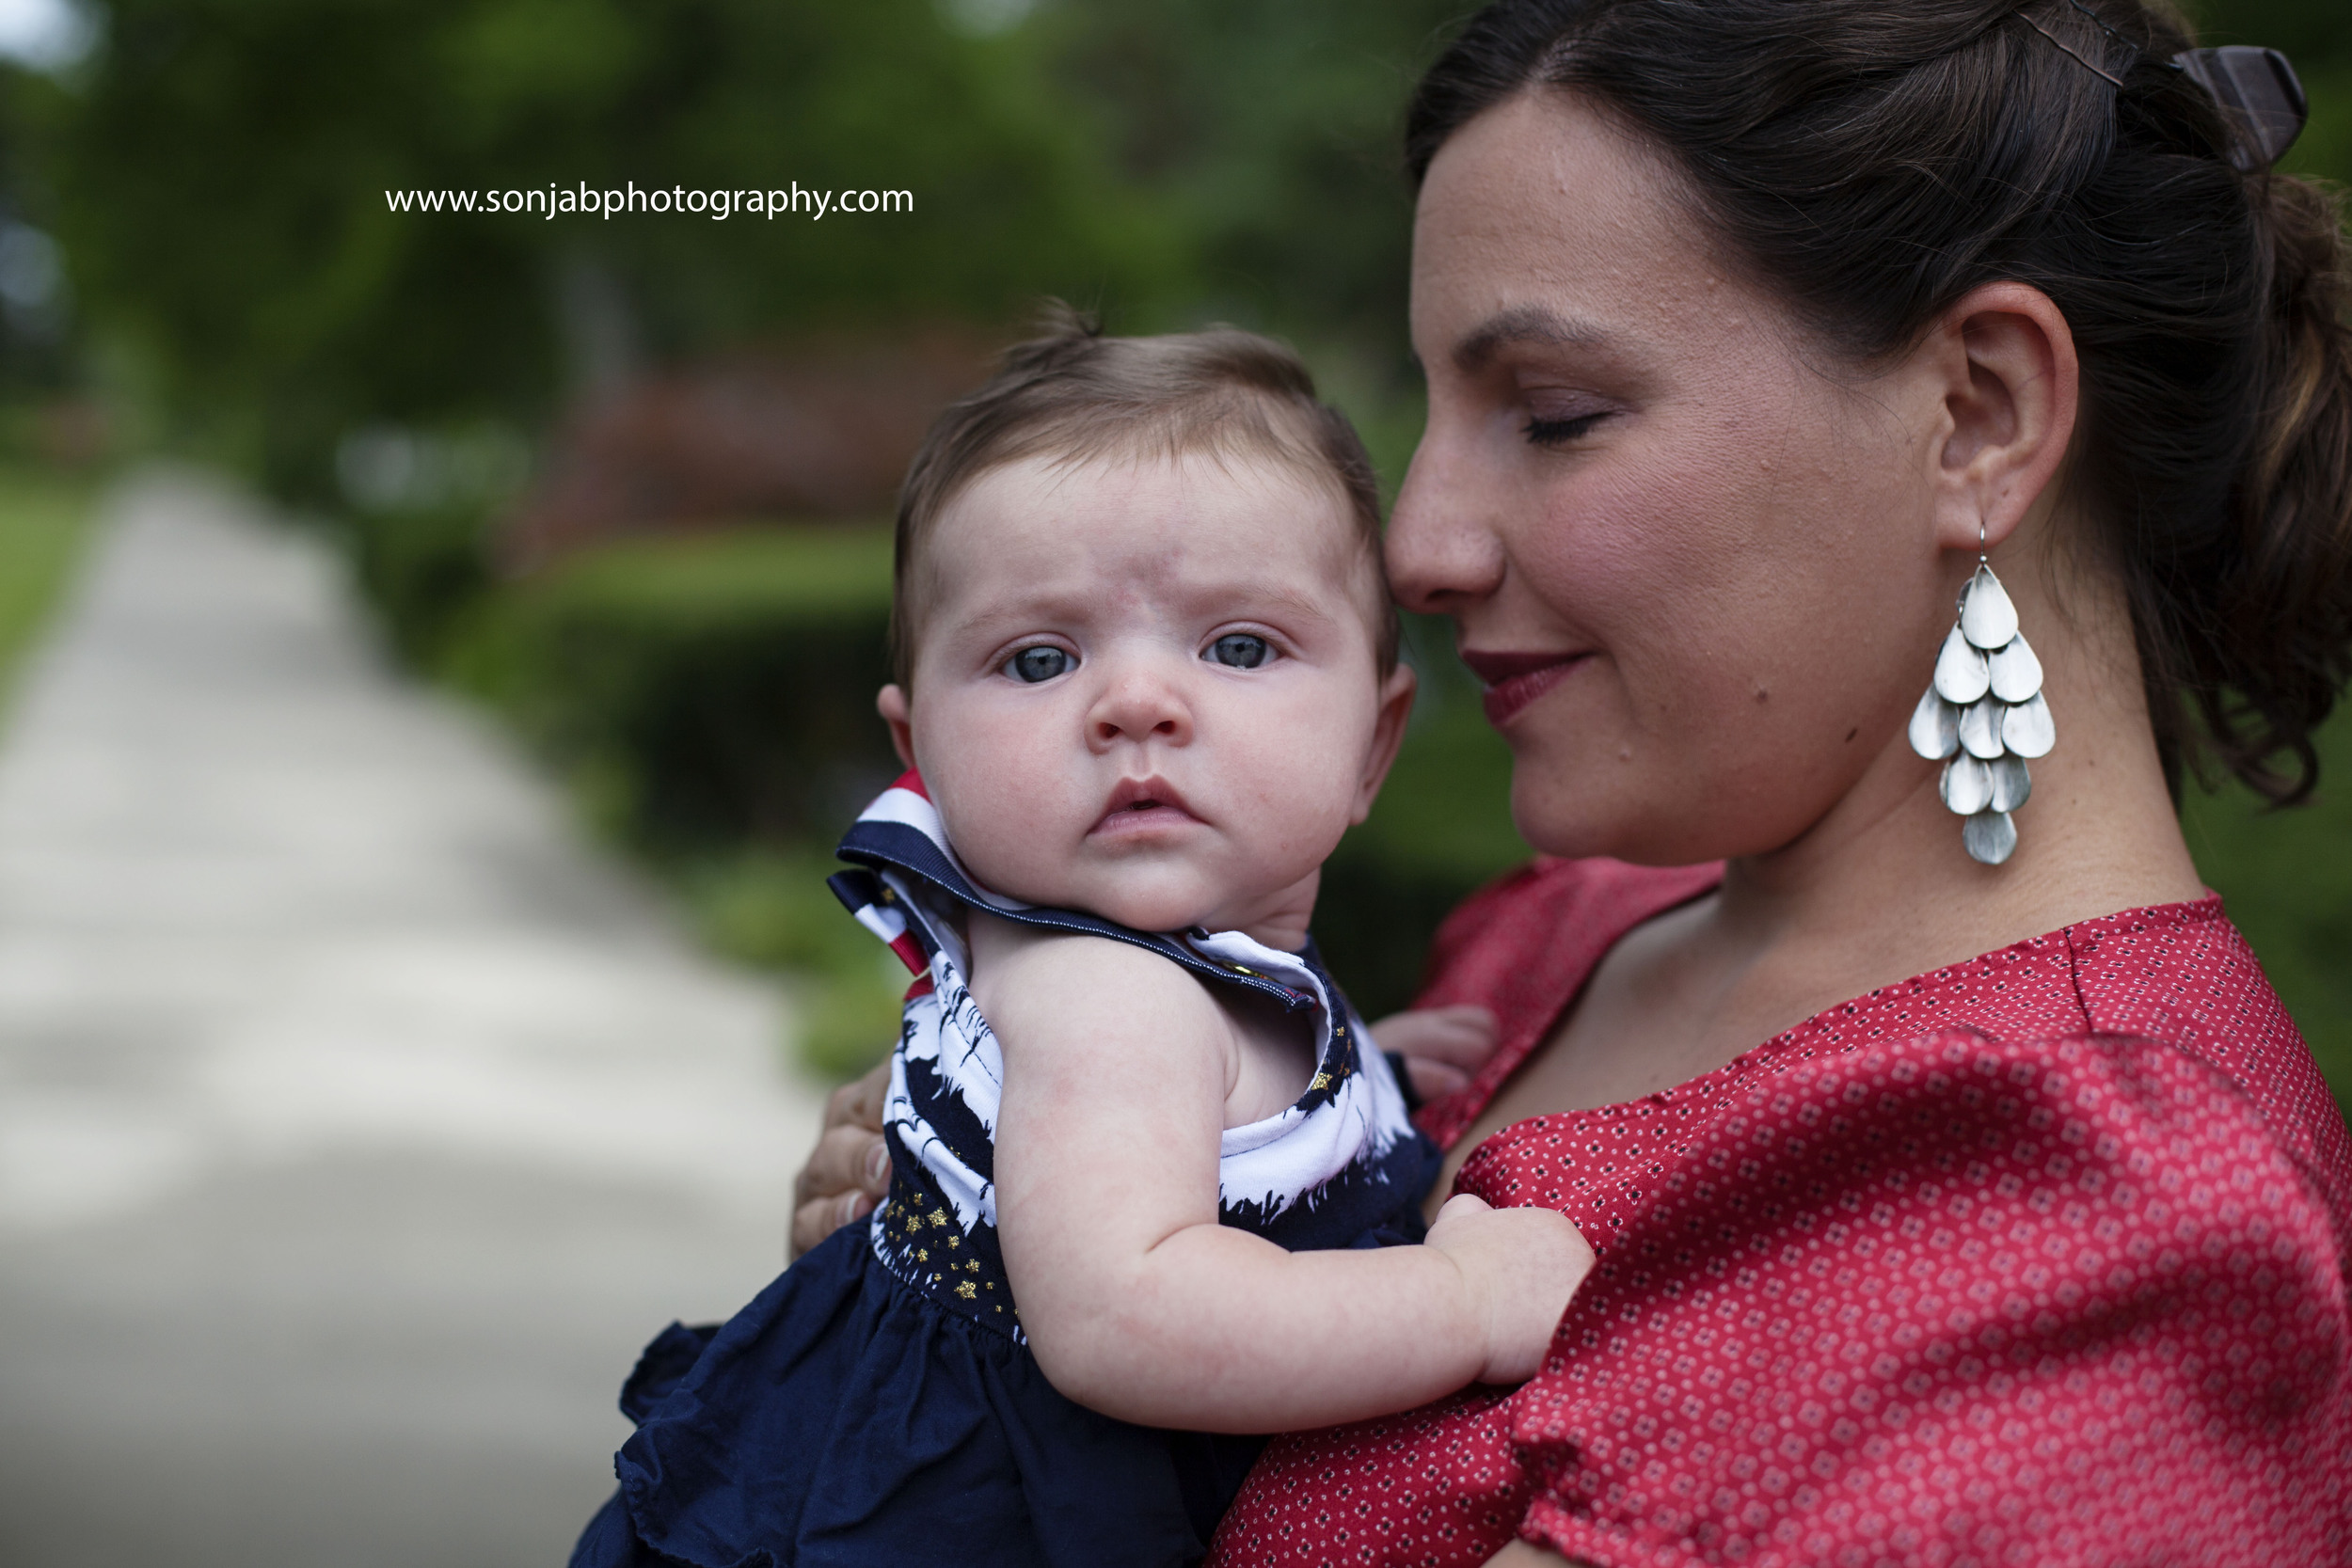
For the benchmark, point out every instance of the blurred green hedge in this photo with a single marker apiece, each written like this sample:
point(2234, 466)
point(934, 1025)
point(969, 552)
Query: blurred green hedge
point(705, 693)
point(2286, 877)
point(709, 698)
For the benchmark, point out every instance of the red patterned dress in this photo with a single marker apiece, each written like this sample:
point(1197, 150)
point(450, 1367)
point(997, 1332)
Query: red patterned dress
point(2039, 1259)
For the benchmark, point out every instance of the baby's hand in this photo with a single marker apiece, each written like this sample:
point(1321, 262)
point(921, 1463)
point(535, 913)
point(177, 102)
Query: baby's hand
point(1522, 1265)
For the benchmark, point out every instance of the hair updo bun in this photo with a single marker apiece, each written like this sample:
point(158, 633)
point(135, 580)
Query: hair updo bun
point(1874, 162)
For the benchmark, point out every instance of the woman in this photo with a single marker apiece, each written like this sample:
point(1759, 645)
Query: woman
point(1749, 326)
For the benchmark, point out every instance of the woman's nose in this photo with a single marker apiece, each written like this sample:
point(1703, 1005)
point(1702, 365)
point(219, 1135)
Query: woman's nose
point(1444, 556)
point(1137, 705)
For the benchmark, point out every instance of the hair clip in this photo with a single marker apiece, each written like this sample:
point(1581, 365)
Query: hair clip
point(2259, 97)
point(2113, 78)
point(2101, 23)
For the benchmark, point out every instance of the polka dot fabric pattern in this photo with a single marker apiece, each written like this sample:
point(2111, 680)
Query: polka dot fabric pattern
point(2038, 1258)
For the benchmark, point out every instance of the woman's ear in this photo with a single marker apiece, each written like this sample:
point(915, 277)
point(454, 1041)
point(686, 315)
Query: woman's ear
point(1388, 734)
point(2012, 385)
point(892, 706)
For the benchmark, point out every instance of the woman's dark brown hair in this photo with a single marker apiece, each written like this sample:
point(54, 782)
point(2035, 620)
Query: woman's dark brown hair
point(1875, 160)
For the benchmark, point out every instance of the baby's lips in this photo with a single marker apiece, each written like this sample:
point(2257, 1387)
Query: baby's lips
point(1151, 791)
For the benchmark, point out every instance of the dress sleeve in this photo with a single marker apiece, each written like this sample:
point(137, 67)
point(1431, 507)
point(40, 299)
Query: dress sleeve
point(1958, 1301)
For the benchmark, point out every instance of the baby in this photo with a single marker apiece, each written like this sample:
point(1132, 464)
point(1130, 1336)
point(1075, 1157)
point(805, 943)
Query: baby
point(1150, 1172)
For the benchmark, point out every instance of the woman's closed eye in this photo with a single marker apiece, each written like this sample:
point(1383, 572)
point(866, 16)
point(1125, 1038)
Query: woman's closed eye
point(1040, 661)
point(1558, 415)
point(1553, 433)
point(1240, 650)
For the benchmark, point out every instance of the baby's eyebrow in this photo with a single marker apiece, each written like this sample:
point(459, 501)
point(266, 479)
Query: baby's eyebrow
point(1285, 598)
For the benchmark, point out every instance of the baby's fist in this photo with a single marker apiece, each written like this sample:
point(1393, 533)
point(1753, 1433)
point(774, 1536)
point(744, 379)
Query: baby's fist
point(1522, 1265)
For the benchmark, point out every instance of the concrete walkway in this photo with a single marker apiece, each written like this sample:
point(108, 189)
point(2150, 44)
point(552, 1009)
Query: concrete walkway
point(357, 1127)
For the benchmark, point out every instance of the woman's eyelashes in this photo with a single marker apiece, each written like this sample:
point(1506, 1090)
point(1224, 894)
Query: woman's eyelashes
point(1556, 413)
point(1552, 433)
point(1240, 650)
point(1039, 662)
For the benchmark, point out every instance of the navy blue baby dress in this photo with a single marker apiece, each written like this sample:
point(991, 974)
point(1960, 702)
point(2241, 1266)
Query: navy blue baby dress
point(877, 1405)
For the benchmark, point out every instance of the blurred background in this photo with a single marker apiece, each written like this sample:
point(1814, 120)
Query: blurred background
point(443, 645)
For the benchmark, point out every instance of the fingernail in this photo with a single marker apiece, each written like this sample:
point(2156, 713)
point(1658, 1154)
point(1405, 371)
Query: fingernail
point(854, 1207)
point(878, 1163)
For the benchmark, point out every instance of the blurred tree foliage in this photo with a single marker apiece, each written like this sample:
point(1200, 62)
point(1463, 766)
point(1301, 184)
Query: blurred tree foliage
point(219, 178)
point(218, 172)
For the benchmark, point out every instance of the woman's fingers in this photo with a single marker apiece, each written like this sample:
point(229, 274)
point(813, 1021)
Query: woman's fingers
point(842, 1181)
point(850, 1171)
point(1432, 1080)
point(1459, 1036)
point(1442, 1046)
point(820, 1218)
point(859, 1101)
point(848, 1159)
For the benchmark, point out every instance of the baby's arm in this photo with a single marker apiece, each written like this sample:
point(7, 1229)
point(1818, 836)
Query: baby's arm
point(1137, 1302)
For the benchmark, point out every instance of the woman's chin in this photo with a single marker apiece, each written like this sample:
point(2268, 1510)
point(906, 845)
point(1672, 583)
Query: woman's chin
point(1577, 817)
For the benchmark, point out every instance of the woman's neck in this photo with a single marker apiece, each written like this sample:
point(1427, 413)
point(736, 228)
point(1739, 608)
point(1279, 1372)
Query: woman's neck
point(1880, 888)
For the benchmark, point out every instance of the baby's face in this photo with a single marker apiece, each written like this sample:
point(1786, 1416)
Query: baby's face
point(1148, 688)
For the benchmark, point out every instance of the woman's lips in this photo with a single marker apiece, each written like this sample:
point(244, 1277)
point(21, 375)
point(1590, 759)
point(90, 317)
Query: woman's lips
point(1514, 680)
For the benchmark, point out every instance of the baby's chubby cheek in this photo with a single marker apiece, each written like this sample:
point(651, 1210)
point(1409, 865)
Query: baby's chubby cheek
point(1013, 817)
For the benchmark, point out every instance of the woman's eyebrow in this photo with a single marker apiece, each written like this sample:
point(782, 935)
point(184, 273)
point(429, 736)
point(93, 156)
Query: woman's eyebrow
point(1523, 324)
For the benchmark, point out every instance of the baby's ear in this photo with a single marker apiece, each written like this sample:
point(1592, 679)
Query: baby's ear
point(1388, 734)
point(892, 706)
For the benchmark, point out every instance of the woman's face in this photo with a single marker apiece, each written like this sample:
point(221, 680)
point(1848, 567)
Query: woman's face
point(1691, 554)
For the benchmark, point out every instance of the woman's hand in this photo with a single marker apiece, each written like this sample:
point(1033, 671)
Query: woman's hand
point(850, 1171)
point(1442, 1046)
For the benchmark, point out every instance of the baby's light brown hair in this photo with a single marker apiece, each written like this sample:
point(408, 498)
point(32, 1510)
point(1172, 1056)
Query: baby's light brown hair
point(1078, 395)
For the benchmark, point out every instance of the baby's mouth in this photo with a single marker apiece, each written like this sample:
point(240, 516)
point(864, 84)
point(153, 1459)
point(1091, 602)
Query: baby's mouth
point(1140, 804)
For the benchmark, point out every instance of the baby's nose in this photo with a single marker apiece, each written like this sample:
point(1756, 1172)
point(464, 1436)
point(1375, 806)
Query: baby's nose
point(1139, 707)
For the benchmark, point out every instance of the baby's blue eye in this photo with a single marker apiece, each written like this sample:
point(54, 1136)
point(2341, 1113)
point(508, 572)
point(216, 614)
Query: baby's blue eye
point(1038, 664)
point(1241, 650)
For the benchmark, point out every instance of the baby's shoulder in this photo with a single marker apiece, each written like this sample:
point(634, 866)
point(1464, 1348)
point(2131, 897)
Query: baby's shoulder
point(1019, 974)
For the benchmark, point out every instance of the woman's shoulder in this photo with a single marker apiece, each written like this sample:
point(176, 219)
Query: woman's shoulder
point(2182, 976)
point(2167, 989)
point(2175, 979)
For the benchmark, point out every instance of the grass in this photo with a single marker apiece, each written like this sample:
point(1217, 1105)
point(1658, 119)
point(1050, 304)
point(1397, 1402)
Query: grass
point(44, 518)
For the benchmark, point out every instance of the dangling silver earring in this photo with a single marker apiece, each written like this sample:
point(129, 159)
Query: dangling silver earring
point(1984, 713)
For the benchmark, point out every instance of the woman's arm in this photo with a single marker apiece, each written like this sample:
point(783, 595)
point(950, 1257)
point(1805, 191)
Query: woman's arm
point(1137, 1302)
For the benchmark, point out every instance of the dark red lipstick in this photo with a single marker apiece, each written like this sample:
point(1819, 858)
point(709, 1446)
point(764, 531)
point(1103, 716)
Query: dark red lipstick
point(1514, 680)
